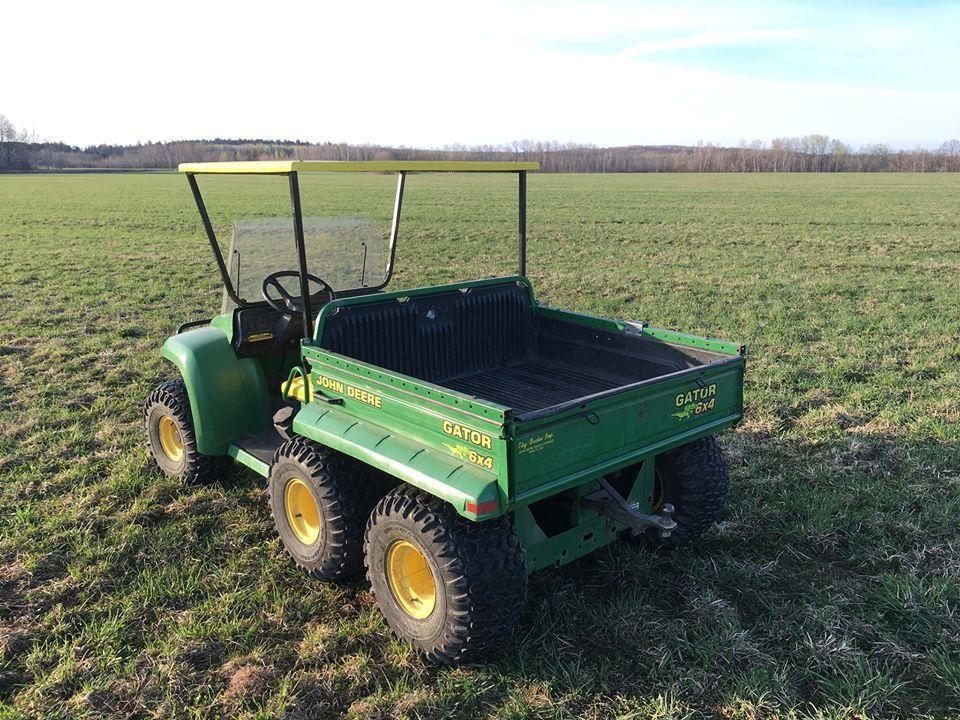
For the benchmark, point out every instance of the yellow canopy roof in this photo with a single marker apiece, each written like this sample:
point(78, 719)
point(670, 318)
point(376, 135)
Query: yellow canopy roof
point(274, 167)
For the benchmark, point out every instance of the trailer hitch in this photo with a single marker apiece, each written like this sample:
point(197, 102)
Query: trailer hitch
point(610, 503)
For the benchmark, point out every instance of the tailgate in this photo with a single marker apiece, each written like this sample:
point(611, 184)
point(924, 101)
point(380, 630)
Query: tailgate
point(552, 453)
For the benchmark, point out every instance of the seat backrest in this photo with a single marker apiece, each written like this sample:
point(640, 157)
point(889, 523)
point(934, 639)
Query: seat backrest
point(434, 337)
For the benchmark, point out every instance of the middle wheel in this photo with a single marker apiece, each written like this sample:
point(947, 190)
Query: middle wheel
point(320, 500)
point(450, 586)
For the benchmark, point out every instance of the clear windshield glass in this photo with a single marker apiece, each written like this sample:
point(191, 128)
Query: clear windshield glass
point(346, 252)
point(346, 227)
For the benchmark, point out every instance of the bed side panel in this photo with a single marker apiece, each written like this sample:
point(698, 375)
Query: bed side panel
point(464, 437)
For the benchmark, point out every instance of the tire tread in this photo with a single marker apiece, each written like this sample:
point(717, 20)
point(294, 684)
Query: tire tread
point(347, 494)
point(199, 468)
point(484, 563)
point(702, 486)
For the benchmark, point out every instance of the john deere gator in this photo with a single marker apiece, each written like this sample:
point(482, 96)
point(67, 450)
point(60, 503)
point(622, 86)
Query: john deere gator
point(447, 441)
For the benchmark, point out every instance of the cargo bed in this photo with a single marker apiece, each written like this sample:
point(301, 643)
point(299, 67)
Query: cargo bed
point(482, 396)
point(491, 343)
point(560, 373)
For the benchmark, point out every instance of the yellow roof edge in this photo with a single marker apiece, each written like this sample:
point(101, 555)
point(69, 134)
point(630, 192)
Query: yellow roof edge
point(274, 167)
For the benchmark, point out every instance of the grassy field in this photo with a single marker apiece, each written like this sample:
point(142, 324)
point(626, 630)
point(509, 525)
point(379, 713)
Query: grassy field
point(831, 588)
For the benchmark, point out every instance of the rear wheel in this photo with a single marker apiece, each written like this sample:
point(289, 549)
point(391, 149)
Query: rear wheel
point(694, 479)
point(319, 501)
point(450, 586)
point(172, 439)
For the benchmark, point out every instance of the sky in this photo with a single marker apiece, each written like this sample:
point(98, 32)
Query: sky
point(431, 74)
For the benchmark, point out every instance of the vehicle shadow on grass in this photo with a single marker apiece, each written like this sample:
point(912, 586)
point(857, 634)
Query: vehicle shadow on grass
point(830, 582)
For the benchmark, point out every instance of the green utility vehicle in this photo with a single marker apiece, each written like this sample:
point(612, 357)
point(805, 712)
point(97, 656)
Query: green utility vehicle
point(451, 439)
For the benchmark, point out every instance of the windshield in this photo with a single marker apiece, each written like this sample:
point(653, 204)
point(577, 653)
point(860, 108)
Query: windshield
point(346, 252)
point(346, 229)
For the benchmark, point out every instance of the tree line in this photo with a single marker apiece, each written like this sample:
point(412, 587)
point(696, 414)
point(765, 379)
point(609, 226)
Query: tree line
point(21, 152)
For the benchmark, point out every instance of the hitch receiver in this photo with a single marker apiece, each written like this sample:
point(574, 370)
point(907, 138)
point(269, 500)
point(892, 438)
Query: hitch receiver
point(607, 501)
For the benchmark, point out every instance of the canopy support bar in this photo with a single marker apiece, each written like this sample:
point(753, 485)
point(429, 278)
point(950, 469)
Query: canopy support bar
point(301, 257)
point(522, 240)
point(394, 228)
point(212, 237)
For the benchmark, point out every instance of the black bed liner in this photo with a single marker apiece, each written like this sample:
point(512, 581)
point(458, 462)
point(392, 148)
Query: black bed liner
point(532, 384)
point(491, 343)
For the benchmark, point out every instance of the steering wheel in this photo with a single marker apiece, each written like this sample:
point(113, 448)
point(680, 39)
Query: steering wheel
point(293, 304)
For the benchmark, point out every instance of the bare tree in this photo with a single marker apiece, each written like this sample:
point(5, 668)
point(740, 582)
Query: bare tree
point(818, 146)
point(950, 156)
point(8, 132)
point(950, 148)
point(838, 155)
point(812, 153)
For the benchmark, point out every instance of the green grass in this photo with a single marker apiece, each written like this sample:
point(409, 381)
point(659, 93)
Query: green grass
point(831, 588)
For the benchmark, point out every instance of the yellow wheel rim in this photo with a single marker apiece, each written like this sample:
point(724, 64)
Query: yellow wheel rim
point(302, 512)
point(171, 441)
point(658, 491)
point(411, 580)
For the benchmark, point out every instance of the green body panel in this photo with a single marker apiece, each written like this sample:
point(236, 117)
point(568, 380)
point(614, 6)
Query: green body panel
point(244, 458)
point(228, 396)
point(225, 323)
point(552, 454)
point(670, 336)
point(414, 462)
point(417, 413)
point(412, 390)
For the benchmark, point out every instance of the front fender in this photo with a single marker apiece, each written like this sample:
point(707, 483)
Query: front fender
point(228, 397)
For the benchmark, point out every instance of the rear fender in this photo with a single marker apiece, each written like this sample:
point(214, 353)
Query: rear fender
point(228, 397)
point(472, 492)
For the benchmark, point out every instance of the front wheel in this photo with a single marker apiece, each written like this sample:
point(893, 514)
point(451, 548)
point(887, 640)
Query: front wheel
point(171, 437)
point(694, 479)
point(450, 586)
